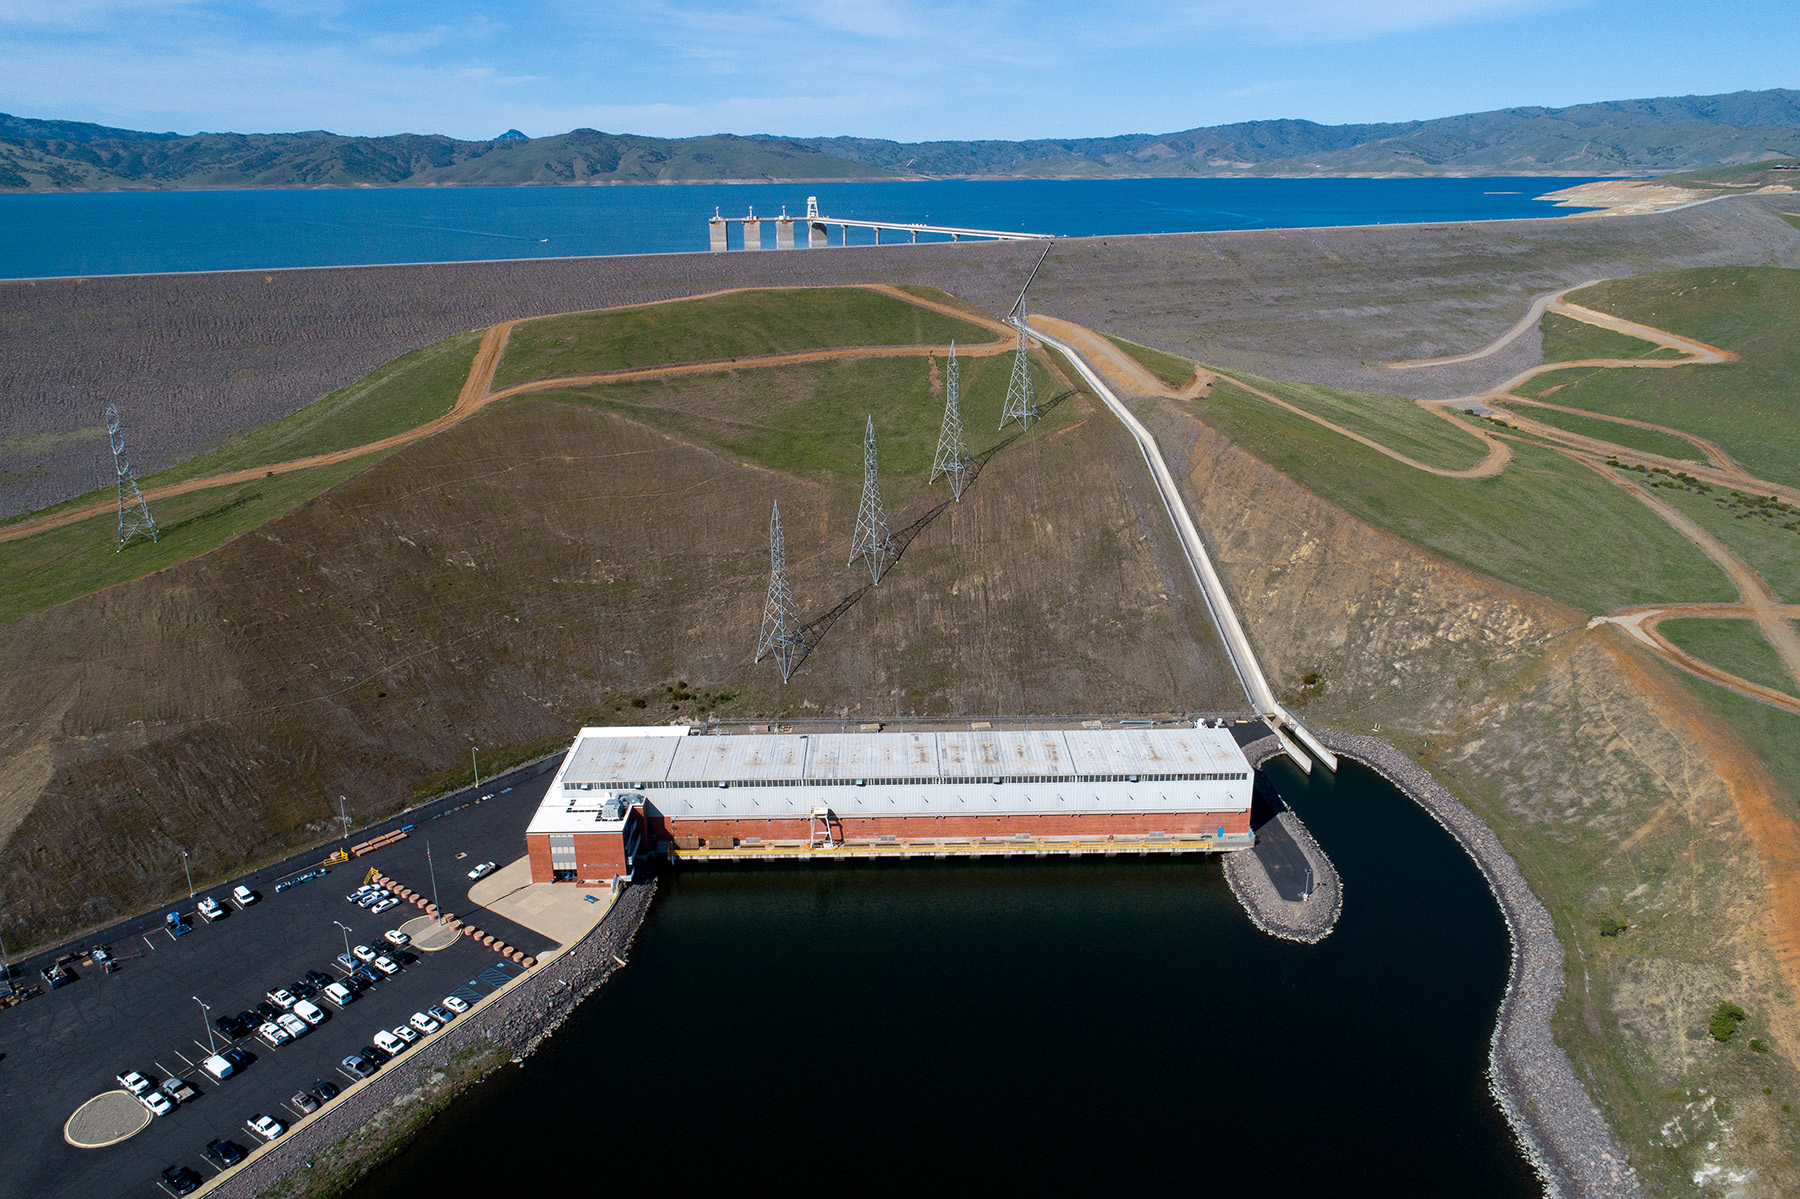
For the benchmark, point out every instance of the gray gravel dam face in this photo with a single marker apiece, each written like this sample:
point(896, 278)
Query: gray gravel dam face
point(1028, 1026)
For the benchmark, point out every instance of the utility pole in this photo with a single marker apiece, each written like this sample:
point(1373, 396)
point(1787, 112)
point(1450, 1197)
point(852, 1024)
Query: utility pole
point(952, 457)
point(189, 873)
point(432, 870)
point(5, 968)
point(347, 931)
point(206, 1011)
point(477, 766)
point(344, 815)
point(134, 513)
point(872, 539)
point(781, 616)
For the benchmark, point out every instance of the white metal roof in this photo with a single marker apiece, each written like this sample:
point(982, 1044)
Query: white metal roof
point(909, 773)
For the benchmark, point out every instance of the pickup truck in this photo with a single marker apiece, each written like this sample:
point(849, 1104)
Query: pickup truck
point(210, 909)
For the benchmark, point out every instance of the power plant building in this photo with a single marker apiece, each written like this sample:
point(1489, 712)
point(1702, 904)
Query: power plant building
point(623, 794)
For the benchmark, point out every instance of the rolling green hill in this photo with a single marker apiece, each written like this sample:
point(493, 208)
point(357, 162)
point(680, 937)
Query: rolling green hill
point(1682, 133)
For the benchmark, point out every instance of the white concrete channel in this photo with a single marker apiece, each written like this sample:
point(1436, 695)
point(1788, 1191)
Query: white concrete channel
point(1231, 632)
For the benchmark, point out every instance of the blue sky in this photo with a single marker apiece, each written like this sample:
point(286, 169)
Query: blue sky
point(906, 69)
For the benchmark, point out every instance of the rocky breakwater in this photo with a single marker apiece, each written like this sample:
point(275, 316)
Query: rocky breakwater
point(1270, 881)
point(1559, 1127)
point(348, 1137)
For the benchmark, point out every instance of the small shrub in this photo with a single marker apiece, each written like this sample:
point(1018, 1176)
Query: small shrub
point(1612, 928)
point(1725, 1020)
point(1757, 1046)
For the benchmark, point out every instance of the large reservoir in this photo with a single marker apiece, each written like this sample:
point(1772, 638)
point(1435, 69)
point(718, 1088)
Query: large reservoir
point(114, 233)
point(1095, 1025)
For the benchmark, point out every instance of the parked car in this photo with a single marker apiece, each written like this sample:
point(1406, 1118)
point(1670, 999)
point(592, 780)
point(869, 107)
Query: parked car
point(267, 1011)
point(210, 909)
point(364, 977)
point(273, 1033)
point(134, 1082)
point(232, 1026)
point(180, 1091)
point(396, 938)
point(387, 965)
point(266, 1127)
point(249, 1019)
point(384, 905)
point(310, 1012)
point(347, 961)
point(482, 871)
point(326, 1091)
point(319, 978)
point(455, 1004)
point(302, 989)
point(243, 896)
point(339, 994)
point(226, 1153)
point(304, 1101)
point(239, 1058)
point(281, 998)
point(218, 1067)
point(439, 1014)
point(363, 953)
point(158, 1103)
point(390, 1044)
point(294, 1025)
point(406, 1033)
point(376, 1054)
point(359, 1065)
point(423, 1023)
point(359, 892)
point(182, 1180)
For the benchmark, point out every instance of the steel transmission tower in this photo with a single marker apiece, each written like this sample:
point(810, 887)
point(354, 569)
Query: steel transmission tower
point(134, 513)
point(781, 616)
point(952, 460)
point(872, 540)
point(1020, 405)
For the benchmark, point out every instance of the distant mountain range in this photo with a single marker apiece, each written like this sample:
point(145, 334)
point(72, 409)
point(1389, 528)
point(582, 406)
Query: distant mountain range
point(1617, 137)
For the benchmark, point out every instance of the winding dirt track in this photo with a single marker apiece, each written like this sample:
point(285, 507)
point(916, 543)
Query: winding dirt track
point(477, 393)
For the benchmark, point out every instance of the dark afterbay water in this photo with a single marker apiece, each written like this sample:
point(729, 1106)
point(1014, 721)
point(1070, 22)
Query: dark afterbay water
point(1085, 1027)
point(114, 233)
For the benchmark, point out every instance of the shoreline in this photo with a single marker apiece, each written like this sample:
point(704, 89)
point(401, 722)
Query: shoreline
point(1557, 1124)
point(504, 1030)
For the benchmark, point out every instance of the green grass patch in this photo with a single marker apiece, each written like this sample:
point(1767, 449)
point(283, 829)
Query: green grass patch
point(1750, 407)
point(1174, 371)
point(1569, 340)
point(1395, 422)
point(809, 418)
point(1772, 733)
point(1541, 386)
point(403, 394)
point(1751, 527)
point(1734, 645)
point(1790, 218)
point(739, 325)
point(1545, 523)
point(79, 559)
point(1647, 440)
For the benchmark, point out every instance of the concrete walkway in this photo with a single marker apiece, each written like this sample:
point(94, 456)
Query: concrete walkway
point(560, 911)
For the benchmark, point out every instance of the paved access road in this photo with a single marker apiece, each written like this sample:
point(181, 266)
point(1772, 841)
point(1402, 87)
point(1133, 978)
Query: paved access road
point(65, 1046)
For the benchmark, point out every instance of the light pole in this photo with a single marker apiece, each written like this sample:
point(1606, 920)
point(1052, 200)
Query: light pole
point(433, 871)
point(347, 931)
point(206, 1011)
point(189, 873)
point(477, 767)
point(344, 813)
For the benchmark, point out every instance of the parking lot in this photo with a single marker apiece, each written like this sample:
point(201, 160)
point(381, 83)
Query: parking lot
point(66, 1046)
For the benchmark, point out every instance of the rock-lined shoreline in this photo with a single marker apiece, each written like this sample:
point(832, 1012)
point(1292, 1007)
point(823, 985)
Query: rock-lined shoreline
point(1309, 922)
point(1562, 1132)
point(518, 1020)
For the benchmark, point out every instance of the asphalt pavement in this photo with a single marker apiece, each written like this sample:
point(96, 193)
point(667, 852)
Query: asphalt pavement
point(66, 1045)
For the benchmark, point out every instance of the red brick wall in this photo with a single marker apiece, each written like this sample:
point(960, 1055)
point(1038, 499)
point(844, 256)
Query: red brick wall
point(600, 856)
point(537, 847)
point(856, 828)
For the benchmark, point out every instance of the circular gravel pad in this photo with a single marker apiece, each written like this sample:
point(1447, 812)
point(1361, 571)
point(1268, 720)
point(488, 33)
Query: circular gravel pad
point(106, 1119)
point(427, 934)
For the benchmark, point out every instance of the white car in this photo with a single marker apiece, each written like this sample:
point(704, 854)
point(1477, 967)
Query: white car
point(266, 1127)
point(218, 1067)
point(394, 936)
point(281, 999)
point(363, 953)
point(459, 1006)
point(482, 871)
point(424, 1023)
point(310, 1012)
point(386, 965)
point(243, 896)
point(134, 1082)
point(384, 905)
point(295, 1026)
point(210, 909)
point(273, 1033)
point(388, 1043)
point(339, 994)
point(157, 1102)
point(409, 1035)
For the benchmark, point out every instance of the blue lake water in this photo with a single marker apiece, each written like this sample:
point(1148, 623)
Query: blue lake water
point(115, 233)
